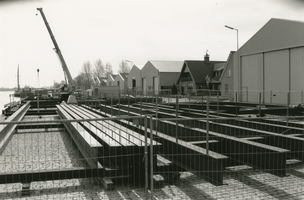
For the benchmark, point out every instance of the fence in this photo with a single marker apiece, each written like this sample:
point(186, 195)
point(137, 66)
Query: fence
point(172, 149)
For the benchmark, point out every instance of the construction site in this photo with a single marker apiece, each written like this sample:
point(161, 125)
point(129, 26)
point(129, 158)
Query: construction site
point(247, 143)
point(152, 148)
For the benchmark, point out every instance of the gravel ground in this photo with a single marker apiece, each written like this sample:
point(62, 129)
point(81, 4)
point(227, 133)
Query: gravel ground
point(238, 184)
point(40, 151)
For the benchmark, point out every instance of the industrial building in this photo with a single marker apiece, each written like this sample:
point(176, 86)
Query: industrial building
point(270, 65)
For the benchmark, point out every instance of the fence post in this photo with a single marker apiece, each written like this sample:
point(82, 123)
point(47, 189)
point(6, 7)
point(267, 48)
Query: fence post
point(270, 96)
point(118, 104)
point(302, 97)
point(151, 156)
point(207, 126)
point(236, 104)
point(288, 103)
point(111, 106)
point(146, 158)
point(217, 104)
point(140, 105)
point(202, 102)
point(128, 103)
point(176, 129)
point(247, 93)
point(156, 113)
point(260, 105)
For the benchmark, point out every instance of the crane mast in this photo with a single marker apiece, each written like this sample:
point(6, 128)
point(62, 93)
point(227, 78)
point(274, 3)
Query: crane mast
point(67, 75)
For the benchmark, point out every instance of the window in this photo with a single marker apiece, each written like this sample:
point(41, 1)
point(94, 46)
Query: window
point(118, 83)
point(229, 73)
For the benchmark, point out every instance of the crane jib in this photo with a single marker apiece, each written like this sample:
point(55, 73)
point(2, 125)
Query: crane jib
point(67, 74)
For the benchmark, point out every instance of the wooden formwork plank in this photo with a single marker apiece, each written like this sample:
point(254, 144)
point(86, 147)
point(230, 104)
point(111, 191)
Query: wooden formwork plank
point(125, 137)
point(88, 147)
point(91, 141)
point(206, 165)
point(107, 139)
point(46, 175)
point(276, 154)
point(136, 138)
point(6, 131)
point(276, 135)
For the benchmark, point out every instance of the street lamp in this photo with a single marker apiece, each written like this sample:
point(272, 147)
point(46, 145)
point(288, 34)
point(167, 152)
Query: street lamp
point(237, 34)
point(238, 61)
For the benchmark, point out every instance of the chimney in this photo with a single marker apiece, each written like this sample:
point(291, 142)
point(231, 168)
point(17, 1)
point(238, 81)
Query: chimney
point(206, 58)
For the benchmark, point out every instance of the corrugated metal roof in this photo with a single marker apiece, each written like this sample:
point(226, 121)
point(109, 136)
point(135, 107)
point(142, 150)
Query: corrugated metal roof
point(168, 66)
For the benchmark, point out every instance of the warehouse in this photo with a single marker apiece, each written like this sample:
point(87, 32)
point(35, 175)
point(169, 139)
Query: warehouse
point(270, 65)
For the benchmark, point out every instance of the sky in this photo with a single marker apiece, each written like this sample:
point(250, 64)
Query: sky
point(133, 30)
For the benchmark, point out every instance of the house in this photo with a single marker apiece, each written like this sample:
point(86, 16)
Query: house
point(270, 64)
point(160, 76)
point(97, 83)
point(121, 80)
point(134, 78)
point(199, 75)
point(111, 79)
point(227, 79)
point(100, 81)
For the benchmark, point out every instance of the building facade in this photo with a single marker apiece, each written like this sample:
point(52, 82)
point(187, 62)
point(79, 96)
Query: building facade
point(271, 64)
point(198, 76)
point(159, 76)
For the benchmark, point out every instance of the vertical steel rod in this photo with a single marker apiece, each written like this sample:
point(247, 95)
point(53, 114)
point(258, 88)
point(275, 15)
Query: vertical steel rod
point(151, 156)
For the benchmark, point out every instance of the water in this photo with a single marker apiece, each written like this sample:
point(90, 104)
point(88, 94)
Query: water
point(5, 98)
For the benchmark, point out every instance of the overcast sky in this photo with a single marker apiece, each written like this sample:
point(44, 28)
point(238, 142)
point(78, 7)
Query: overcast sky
point(116, 30)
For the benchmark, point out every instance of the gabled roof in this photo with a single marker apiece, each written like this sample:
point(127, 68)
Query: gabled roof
point(112, 76)
point(275, 34)
point(167, 66)
point(219, 66)
point(124, 76)
point(226, 64)
point(199, 69)
point(104, 79)
point(96, 80)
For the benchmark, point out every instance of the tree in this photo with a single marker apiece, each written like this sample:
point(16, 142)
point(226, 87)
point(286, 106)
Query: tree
point(87, 71)
point(57, 85)
point(80, 80)
point(124, 67)
point(109, 69)
point(99, 69)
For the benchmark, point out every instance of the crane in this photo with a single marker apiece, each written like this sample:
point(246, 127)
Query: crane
point(69, 87)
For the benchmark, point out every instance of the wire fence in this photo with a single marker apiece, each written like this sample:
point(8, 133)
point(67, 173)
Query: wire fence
point(154, 149)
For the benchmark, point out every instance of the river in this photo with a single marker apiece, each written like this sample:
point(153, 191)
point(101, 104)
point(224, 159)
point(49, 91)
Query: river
point(5, 98)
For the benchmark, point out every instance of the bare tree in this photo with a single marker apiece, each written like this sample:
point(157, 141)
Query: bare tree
point(99, 69)
point(109, 69)
point(87, 70)
point(80, 80)
point(124, 67)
